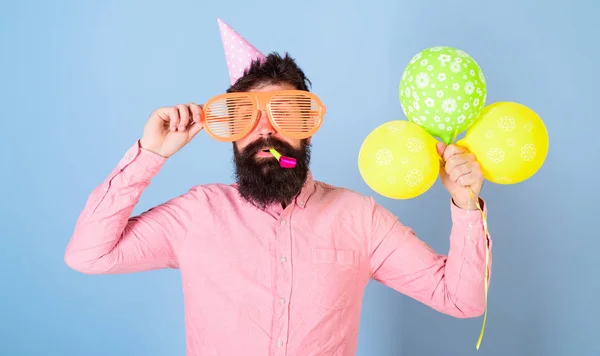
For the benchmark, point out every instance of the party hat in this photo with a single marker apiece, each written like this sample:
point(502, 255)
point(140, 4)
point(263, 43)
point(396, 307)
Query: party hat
point(239, 53)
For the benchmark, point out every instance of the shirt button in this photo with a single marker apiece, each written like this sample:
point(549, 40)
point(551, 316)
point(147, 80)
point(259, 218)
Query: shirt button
point(283, 259)
point(279, 343)
point(282, 301)
point(282, 222)
point(301, 203)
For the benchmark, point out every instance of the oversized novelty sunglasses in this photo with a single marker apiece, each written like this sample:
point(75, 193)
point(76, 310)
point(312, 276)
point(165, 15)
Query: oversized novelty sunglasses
point(294, 114)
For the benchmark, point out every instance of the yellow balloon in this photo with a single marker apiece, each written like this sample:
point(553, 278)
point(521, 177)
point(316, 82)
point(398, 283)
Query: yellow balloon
point(510, 142)
point(399, 160)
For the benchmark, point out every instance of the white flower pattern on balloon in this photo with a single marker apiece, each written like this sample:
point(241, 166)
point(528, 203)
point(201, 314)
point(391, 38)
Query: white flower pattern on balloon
point(469, 87)
point(506, 123)
point(481, 77)
point(414, 145)
point(495, 155)
point(528, 152)
point(449, 105)
point(413, 177)
point(444, 58)
point(395, 128)
point(384, 156)
point(422, 80)
point(415, 58)
point(504, 180)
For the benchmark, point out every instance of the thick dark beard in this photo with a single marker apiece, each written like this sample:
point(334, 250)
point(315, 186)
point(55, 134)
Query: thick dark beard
point(262, 181)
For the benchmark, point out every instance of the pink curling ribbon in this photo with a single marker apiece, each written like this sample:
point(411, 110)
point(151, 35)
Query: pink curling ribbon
point(284, 161)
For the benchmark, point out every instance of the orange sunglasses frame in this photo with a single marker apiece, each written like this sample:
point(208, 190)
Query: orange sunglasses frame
point(262, 100)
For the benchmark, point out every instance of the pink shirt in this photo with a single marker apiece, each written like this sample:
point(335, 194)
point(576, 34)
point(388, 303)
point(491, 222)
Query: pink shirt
point(276, 281)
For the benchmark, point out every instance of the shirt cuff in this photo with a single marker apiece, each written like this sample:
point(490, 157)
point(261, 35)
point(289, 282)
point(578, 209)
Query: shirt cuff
point(469, 220)
point(455, 209)
point(141, 163)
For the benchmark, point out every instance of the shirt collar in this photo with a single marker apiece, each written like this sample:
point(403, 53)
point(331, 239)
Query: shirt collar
point(307, 191)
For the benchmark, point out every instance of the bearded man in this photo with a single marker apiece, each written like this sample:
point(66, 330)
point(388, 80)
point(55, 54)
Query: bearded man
point(277, 262)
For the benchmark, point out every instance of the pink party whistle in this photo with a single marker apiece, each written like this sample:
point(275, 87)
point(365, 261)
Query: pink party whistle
point(284, 161)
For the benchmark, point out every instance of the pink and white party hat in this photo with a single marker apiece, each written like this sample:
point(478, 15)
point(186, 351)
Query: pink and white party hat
point(239, 53)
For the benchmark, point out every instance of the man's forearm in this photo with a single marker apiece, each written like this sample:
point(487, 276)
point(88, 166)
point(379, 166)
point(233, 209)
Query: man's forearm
point(105, 217)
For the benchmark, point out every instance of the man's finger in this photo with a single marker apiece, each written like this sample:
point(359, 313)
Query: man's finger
point(196, 111)
point(441, 147)
point(195, 128)
point(184, 117)
point(458, 160)
point(459, 171)
point(453, 150)
point(173, 118)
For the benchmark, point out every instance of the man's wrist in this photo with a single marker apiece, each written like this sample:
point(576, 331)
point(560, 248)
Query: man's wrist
point(469, 204)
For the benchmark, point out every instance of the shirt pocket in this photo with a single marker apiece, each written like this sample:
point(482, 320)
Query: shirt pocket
point(334, 279)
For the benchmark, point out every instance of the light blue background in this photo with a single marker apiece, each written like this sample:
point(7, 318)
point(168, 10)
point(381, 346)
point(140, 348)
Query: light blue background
point(79, 80)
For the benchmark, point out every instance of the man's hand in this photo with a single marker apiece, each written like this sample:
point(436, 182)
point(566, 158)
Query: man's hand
point(459, 172)
point(170, 128)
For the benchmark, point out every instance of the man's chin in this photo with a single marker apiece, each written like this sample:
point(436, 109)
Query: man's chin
point(260, 177)
point(266, 170)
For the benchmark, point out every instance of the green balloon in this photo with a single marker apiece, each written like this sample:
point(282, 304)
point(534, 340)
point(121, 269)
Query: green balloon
point(443, 90)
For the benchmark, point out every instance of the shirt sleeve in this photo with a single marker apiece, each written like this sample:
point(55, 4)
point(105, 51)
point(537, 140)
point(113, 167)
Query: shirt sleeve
point(106, 239)
point(452, 284)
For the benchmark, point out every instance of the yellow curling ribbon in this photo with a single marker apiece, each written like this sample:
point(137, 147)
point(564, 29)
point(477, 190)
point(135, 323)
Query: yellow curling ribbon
point(487, 254)
point(487, 262)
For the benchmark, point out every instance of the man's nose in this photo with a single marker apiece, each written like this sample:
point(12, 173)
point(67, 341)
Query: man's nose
point(264, 127)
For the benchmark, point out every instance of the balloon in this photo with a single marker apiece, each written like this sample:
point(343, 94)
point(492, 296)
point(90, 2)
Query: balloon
point(510, 142)
point(443, 90)
point(399, 160)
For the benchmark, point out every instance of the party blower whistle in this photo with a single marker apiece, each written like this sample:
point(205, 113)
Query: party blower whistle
point(284, 161)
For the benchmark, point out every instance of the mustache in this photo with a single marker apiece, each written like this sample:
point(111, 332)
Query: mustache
point(270, 142)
